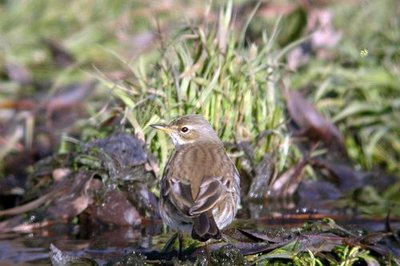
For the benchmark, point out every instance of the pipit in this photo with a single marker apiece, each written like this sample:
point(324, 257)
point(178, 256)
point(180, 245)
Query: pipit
point(200, 190)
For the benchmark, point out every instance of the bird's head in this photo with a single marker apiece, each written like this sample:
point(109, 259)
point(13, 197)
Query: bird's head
point(188, 129)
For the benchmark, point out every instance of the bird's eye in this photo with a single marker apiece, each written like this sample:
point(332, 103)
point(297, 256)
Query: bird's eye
point(184, 129)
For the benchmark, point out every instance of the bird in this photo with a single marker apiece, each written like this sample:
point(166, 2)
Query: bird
point(200, 185)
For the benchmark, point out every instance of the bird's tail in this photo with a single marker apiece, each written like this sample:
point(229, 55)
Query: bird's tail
point(204, 227)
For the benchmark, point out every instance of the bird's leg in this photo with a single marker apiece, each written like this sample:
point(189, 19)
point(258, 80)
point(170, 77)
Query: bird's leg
point(226, 238)
point(169, 243)
point(180, 240)
point(207, 252)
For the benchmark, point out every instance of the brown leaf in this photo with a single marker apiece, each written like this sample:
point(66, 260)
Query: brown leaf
point(257, 236)
point(248, 248)
point(75, 197)
point(322, 242)
point(287, 183)
point(69, 96)
point(311, 123)
point(343, 175)
point(373, 238)
point(19, 73)
point(24, 104)
point(30, 205)
point(142, 198)
point(61, 56)
point(315, 192)
point(67, 106)
point(115, 209)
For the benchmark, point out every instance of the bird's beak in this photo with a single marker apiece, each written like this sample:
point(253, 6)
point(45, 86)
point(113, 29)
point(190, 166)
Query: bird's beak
point(162, 127)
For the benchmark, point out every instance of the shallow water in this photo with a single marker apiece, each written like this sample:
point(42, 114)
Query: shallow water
point(105, 245)
point(33, 248)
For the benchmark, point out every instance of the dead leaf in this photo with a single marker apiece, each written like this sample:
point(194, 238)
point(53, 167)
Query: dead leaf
point(287, 183)
point(61, 56)
point(75, 197)
point(344, 176)
point(312, 124)
point(115, 209)
point(263, 237)
point(19, 73)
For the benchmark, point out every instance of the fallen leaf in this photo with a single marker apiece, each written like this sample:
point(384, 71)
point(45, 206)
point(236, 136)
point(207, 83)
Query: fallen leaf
point(60, 55)
point(115, 209)
point(19, 73)
point(287, 183)
point(312, 124)
point(344, 176)
point(74, 198)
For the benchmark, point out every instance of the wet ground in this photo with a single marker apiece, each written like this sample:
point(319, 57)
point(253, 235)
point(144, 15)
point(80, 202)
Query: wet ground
point(108, 244)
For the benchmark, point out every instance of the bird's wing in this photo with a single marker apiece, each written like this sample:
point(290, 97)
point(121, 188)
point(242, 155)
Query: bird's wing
point(180, 194)
point(175, 189)
point(212, 190)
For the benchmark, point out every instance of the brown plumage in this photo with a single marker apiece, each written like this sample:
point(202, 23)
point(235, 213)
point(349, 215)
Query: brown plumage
point(200, 185)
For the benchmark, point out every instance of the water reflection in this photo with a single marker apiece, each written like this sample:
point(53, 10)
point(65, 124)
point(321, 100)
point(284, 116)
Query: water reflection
point(101, 244)
point(105, 244)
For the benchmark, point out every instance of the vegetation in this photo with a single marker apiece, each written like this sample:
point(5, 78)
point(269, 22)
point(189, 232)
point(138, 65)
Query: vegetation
point(359, 87)
point(229, 63)
point(209, 70)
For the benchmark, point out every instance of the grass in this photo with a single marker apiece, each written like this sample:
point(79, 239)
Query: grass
point(359, 89)
point(211, 68)
point(210, 71)
point(213, 71)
